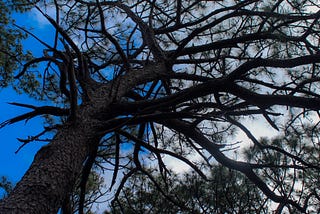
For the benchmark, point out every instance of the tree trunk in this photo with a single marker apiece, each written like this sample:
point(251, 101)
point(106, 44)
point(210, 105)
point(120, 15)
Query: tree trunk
point(52, 174)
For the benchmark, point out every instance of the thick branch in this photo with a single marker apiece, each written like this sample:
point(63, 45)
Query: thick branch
point(243, 167)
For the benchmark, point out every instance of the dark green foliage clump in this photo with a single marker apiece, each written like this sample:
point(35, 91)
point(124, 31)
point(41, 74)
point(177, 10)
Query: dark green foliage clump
point(11, 37)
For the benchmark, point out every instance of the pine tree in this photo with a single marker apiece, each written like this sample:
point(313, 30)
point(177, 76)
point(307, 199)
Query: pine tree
point(133, 81)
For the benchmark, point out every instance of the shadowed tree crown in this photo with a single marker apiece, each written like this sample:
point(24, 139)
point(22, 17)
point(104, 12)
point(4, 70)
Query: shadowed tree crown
point(132, 83)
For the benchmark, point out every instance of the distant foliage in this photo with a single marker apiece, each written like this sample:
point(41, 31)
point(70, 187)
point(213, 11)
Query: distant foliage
point(11, 37)
point(6, 186)
point(225, 191)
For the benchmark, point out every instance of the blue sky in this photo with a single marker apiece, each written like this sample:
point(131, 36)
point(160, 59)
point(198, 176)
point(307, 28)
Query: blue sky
point(14, 165)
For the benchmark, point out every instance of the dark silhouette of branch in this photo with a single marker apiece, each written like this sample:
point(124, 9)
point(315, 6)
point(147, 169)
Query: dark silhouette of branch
point(38, 111)
point(84, 179)
point(243, 167)
point(163, 151)
point(117, 160)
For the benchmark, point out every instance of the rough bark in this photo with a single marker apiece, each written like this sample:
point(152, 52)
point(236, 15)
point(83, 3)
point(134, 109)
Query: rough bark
point(56, 166)
point(53, 172)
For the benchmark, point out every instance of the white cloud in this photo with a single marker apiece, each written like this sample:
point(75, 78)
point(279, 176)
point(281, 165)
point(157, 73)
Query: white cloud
point(38, 20)
point(176, 165)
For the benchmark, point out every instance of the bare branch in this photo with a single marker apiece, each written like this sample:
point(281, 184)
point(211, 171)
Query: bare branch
point(42, 110)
